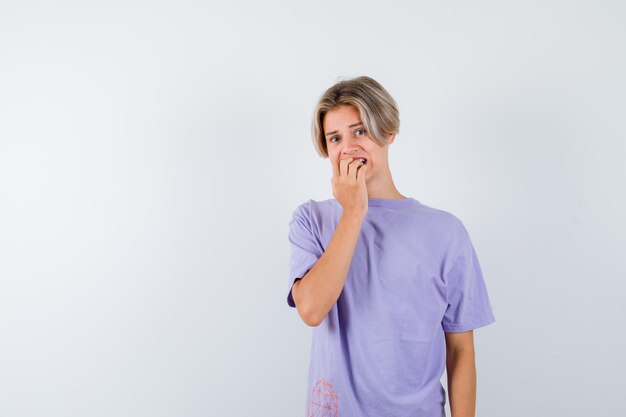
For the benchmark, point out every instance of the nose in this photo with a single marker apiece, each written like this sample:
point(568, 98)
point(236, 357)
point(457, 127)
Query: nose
point(346, 153)
point(350, 148)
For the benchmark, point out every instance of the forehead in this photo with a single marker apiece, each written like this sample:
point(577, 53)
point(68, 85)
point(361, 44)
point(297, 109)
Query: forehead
point(341, 117)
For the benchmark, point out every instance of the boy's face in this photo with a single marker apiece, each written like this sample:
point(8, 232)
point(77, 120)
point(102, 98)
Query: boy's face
point(346, 136)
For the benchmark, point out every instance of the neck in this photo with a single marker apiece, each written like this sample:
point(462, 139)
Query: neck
point(383, 187)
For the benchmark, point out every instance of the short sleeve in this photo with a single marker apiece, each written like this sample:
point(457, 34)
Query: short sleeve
point(469, 306)
point(305, 249)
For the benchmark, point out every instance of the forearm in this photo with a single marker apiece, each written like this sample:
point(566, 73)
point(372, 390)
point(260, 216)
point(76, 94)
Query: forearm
point(319, 289)
point(461, 370)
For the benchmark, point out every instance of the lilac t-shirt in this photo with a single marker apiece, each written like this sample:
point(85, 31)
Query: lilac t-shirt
point(380, 351)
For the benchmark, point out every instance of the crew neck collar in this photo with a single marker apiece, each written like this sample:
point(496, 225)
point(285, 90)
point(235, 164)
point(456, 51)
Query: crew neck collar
point(390, 202)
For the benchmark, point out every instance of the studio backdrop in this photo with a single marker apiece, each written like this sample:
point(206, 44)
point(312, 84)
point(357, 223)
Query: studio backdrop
point(152, 154)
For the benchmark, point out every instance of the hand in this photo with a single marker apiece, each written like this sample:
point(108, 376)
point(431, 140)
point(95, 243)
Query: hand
point(348, 184)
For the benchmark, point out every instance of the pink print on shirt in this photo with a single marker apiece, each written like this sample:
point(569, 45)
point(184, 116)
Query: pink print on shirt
point(323, 400)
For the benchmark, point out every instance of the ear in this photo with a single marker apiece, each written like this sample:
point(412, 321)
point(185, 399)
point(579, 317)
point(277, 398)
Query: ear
point(391, 137)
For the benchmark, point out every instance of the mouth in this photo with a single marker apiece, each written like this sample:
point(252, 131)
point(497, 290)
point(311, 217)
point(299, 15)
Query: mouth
point(363, 160)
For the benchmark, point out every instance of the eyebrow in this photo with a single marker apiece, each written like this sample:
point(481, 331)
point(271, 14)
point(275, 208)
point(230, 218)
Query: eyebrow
point(334, 131)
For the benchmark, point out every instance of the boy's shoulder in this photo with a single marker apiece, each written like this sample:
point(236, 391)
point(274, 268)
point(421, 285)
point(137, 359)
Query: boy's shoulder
point(312, 207)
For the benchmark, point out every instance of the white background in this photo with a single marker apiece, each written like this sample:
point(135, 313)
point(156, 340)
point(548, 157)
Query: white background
point(152, 152)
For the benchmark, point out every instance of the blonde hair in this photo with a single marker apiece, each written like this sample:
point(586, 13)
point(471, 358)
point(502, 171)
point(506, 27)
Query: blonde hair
point(378, 110)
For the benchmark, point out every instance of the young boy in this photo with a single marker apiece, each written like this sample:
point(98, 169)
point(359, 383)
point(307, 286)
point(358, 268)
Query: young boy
point(392, 287)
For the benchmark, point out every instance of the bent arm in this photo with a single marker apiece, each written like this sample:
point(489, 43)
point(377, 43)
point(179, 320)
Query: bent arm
point(316, 292)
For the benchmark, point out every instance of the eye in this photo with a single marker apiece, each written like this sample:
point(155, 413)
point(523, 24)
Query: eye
point(360, 130)
point(331, 139)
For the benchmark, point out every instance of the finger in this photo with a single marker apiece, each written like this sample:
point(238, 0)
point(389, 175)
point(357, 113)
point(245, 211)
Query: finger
point(353, 167)
point(343, 165)
point(335, 168)
point(360, 176)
